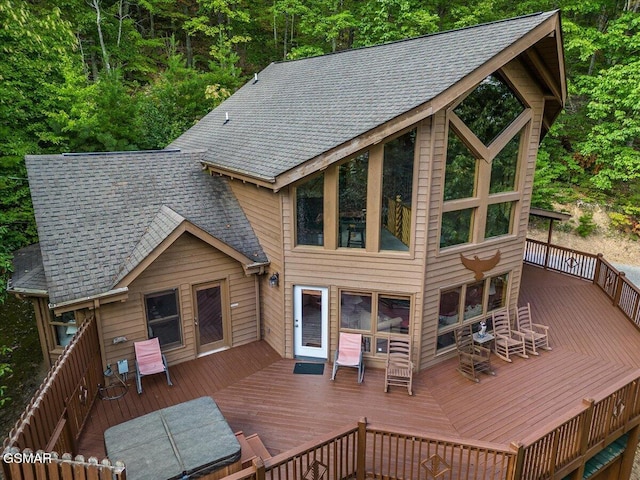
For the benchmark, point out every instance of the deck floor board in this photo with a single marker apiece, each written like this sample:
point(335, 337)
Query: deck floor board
point(594, 346)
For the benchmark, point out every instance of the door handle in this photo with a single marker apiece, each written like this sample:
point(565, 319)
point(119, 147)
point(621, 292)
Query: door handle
point(195, 321)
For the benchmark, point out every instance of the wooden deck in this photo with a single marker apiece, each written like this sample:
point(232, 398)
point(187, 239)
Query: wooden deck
point(594, 346)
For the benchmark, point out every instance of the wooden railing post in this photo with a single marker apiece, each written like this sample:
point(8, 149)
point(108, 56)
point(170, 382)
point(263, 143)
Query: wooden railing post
point(619, 285)
point(596, 273)
point(516, 464)
point(629, 453)
point(583, 439)
point(361, 457)
point(258, 464)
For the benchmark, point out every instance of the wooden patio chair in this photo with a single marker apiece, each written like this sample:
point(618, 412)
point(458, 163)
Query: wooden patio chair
point(507, 340)
point(399, 368)
point(536, 335)
point(149, 360)
point(472, 358)
point(349, 354)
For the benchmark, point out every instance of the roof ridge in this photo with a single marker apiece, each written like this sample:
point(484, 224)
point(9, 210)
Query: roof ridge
point(426, 35)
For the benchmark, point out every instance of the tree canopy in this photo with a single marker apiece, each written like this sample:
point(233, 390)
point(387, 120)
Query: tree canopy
point(97, 75)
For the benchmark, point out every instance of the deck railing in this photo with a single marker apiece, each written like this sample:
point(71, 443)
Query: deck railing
point(369, 451)
point(623, 293)
point(55, 416)
point(555, 451)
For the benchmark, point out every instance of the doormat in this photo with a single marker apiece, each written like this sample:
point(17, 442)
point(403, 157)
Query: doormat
point(309, 368)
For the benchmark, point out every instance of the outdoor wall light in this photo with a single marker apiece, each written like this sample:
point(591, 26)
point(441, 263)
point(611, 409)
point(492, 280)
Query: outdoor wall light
point(274, 280)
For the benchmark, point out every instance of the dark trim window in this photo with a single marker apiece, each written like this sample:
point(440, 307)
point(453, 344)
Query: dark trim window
point(310, 211)
point(163, 318)
point(469, 303)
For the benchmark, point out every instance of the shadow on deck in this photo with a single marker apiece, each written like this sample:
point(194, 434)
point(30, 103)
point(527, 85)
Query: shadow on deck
point(594, 346)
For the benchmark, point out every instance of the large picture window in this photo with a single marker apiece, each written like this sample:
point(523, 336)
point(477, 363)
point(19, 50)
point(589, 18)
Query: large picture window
point(163, 318)
point(376, 316)
point(480, 190)
point(352, 201)
point(310, 211)
point(469, 303)
point(367, 194)
point(397, 191)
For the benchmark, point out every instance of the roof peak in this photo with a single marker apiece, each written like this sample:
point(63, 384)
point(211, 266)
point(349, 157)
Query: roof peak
point(409, 39)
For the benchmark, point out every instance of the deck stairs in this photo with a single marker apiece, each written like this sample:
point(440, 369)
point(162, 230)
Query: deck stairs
point(252, 447)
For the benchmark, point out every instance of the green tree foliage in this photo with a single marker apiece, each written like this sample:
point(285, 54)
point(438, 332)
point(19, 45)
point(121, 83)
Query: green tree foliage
point(35, 53)
point(86, 75)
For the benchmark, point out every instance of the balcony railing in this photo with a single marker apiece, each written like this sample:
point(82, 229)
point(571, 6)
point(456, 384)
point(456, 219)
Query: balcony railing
point(623, 293)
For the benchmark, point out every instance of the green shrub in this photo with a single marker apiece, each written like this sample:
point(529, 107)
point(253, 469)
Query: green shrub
point(586, 225)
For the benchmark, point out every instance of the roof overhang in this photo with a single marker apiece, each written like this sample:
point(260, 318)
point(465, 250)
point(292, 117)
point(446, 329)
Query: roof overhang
point(549, 214)
point(249, 265)
point(553, 79)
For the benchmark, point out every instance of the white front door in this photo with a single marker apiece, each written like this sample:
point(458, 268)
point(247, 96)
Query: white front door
point(311, 322)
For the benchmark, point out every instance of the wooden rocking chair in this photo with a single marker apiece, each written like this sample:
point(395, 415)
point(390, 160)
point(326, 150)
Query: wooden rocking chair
point(507, 341)
point(536, 336)
point(472, 358)
point(399, 371)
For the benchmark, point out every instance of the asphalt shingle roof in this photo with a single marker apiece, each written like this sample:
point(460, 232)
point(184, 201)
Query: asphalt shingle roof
point(28, 272)
point(300, 109)
point(99, 215)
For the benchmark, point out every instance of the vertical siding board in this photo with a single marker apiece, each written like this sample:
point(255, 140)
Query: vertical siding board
point(189, 261)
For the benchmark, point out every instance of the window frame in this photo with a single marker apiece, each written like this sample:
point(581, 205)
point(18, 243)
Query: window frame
point(447, 328)
point(373, 336)
point(484, 155)
point(70, 324)
point(176, 317)
point(373, 222)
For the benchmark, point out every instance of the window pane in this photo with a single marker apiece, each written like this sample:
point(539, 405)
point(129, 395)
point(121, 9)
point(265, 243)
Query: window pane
point(393, 314)
point(161, 306)
point(498, 219)
point(65, 328)
point(355, 311)
point(503, 167)
point(352, 198)
point(381, 345)
point(446, 340)
point(456, 227)
point(309, 212)
point(397, 187)
point(473, 300)
point(163, 319)
point(498, 292)
point(489, 109)
point(460, 172)
point(449, 308)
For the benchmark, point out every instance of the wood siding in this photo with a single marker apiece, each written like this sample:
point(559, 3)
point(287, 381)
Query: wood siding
point(356, 269)
point(444, 268)
point(263, 209)
point(188, 262)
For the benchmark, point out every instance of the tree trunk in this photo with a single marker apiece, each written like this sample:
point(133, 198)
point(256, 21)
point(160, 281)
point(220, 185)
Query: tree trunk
point(105, 56)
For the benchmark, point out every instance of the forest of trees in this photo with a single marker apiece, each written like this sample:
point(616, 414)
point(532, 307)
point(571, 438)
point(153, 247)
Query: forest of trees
point(105, 75)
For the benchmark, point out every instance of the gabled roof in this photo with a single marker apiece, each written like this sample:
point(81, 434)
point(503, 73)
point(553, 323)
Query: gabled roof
point(100, 215)
point(299, 110)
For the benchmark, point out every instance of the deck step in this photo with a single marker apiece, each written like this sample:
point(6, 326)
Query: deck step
point(258, 447)
point(252, 447)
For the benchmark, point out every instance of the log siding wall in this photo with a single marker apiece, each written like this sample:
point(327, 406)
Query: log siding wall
point(188, 262)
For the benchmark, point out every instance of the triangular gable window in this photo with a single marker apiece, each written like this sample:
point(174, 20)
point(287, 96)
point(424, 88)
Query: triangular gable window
point(489, 109)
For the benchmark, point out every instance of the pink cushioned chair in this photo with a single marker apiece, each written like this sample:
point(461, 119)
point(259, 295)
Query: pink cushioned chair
point(149, 360)
point(349, 354)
